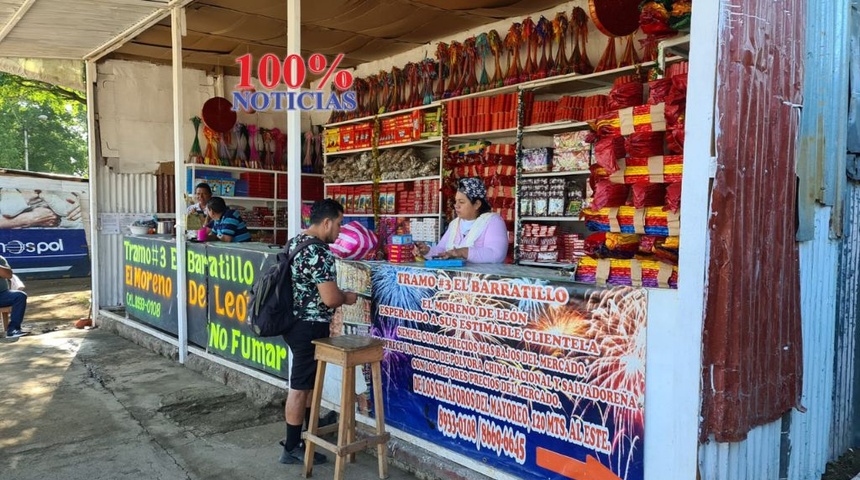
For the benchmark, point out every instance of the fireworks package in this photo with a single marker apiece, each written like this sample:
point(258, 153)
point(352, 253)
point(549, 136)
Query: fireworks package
point(658, 169)
point(611, 245)
point(644, 221)
point(658, 90)
point(626, 92)
point(648, 194)
point(644, 118)
point(636, 273)
point(664, 249)
point(644, 144)
point(608, 194)
point(673, 197)
point(607, 151)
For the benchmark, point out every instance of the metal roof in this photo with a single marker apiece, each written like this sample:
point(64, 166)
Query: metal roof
point(72, 29)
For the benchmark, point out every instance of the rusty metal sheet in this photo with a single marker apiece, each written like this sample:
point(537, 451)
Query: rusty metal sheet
point(752, 368)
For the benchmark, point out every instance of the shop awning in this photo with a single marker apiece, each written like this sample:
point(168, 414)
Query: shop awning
point(221, 30)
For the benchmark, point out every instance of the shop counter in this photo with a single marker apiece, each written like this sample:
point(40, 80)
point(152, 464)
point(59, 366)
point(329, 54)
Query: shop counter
point(518, 367)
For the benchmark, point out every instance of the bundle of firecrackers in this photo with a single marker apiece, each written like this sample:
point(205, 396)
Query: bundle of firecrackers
point(545, 244)
point(528, 50)
point(634, 188)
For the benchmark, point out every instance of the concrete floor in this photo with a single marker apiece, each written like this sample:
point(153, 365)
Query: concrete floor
point(89, 405)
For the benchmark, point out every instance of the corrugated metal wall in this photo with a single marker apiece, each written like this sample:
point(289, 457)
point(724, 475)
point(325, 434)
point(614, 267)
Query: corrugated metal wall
point(810, 431)
point(119, 193)
point(847, 311)
point(756, 458)
point(752, 368)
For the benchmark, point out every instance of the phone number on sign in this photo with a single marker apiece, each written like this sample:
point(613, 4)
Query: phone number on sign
point(142, 304)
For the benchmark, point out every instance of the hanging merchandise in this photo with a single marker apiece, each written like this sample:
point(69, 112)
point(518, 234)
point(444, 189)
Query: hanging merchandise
point(496, 46)
point(242, 147)
point(196, 156)
point(482, 46)
point(443, 58)
point(455, 59)
point(211, 155)
point(308, 151)
point(253, 143)
point(218, 114)
point(544, 33)
point(234, 144)
point(529, 38)
point(681, 15)
point(615, 19)
point(224, 148)
point(412, 73)
point(470, 60)
point(280, 140)
point(579, 61)
point(561, 66)
point(512, 45)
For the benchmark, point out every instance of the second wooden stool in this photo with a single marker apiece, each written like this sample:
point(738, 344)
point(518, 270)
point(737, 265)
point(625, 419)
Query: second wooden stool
point(348, 351)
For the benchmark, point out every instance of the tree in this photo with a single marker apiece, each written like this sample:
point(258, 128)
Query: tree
point(55, 121)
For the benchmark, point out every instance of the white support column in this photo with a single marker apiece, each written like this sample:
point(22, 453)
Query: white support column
point(674, 364)
point(294, 128)
point(177, 30)
point(92, 139)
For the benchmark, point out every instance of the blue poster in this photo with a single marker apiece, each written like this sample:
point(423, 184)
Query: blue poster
point(537, 378)
point(46, 252)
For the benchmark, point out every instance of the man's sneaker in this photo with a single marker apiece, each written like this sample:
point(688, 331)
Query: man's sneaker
point(16, 333)
point(297, 456)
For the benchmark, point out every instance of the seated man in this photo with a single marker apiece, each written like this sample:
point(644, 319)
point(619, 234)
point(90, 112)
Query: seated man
point(203, 192)
point(12, 298)
point(226, 224)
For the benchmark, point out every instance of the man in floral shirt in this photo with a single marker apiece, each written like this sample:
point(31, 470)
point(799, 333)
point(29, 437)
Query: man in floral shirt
point(315, 298)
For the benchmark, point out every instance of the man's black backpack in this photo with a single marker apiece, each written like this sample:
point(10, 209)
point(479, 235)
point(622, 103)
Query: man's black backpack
point(270, 307)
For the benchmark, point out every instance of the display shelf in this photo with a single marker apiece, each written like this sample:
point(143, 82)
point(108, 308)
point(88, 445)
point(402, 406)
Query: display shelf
point(678, 46)
point(477, 136)
point(383, 115)
point(573, 82)
point(532, 263)
point(201, 166)
point(392, 215)
point(556, 127)
point(555, 174)
point(428, 142)
point(370, 182)
point(550, 219)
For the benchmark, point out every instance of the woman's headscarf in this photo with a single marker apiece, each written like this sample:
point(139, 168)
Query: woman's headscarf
point(474, 188)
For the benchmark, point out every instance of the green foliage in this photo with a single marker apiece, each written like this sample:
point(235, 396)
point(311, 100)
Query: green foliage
point(57, 143)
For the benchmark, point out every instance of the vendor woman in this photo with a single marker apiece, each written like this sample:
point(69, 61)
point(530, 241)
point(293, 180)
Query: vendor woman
point(227, 225)
point(477, 235)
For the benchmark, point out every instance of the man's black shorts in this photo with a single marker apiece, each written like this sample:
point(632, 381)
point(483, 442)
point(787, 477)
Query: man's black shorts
point(299, 339)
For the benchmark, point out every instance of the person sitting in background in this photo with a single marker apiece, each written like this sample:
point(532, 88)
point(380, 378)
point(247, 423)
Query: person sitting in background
point(12, 298)
point(227, 224)
point(202, 192)
point(477, 235)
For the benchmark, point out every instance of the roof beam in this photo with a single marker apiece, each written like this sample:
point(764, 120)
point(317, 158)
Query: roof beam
point(16, 17)
point(135, 30)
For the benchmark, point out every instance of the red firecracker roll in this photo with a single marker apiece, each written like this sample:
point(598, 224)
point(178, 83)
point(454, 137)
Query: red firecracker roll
point(608, 194)
point(607, 151)
point(658, 90)
point(657, 169)
point(644, 144)
point(628, 94)
point(675, 139)
point(673, 197)
point(648, 194)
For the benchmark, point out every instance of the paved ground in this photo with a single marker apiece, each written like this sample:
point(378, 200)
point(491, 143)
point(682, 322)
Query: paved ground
point(89, 405)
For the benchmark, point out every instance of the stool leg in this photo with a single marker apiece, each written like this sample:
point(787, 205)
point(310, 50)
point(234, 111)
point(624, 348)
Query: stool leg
point(352, 400)
point(316, 398)
point(379, 413)
point(346, 394)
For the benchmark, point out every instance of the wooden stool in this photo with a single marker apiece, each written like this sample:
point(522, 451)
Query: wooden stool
point(6, 314)
point(348, 351)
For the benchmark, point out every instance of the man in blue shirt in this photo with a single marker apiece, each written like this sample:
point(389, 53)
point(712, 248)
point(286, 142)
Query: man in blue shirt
point(12, 298)
point(226, 223)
